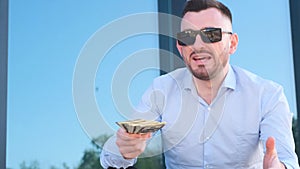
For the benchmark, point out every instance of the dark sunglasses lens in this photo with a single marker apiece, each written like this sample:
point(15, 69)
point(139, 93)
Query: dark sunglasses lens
point(208, 35)
point(211, 35)
point(185, 39)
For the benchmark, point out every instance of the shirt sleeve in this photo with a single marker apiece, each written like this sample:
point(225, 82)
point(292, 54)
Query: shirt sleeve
point(294, 166)
point(111, 156)
point(108, 159)
point(277, 122)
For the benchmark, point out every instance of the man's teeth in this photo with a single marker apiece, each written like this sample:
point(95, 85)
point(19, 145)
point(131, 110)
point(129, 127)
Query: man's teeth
point(200, 58)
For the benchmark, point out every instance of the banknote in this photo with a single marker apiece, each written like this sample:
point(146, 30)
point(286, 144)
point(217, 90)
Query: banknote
point(138, 126)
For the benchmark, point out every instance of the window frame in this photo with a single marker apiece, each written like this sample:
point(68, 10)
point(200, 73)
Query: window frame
point(167, 43)
point(295, 25)
point(3, 78)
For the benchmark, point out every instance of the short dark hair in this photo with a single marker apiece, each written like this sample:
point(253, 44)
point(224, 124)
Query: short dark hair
point(199, 5)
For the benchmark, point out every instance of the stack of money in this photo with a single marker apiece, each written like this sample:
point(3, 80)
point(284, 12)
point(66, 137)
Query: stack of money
point(140, 126)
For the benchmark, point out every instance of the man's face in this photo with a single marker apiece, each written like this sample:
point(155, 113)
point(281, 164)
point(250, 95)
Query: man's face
point(207, 60)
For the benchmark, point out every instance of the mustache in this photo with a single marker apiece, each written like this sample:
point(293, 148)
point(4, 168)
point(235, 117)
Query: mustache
point(201, 52)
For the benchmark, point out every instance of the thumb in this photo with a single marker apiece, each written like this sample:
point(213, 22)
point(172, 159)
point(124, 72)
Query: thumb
point(271, 159)
point(270, 146)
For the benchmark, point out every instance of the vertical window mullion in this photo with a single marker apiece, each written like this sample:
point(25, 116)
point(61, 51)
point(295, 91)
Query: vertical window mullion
point(3, 78)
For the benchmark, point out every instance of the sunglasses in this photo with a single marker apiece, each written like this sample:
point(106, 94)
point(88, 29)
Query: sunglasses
point(208, 35)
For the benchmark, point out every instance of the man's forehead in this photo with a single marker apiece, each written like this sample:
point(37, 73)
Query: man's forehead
point(210, 17)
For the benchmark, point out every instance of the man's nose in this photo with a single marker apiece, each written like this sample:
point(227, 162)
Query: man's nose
point(198, 42)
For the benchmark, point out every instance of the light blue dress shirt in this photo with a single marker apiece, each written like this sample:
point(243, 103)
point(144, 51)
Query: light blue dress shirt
point(229, 133)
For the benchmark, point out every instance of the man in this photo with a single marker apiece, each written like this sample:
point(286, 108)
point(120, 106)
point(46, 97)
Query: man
point(217, 115)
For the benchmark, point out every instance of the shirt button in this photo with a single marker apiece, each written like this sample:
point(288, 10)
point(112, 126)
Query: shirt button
point(208, 108)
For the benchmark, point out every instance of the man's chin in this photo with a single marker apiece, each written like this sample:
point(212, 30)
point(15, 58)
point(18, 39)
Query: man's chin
point(201, 75)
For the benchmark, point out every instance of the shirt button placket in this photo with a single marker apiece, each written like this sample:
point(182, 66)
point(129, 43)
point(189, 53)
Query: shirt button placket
point(206, 165)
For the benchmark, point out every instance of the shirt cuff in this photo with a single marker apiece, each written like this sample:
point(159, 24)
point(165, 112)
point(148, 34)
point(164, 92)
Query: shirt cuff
point(108, 159)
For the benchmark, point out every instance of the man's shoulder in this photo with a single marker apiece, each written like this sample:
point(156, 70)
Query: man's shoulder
point(246, 77)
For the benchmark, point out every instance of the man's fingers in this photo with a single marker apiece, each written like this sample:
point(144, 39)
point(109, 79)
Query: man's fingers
point(128, 136)
point(145, 135)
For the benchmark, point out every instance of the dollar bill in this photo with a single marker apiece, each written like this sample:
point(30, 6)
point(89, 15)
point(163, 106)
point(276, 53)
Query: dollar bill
point(138, 126)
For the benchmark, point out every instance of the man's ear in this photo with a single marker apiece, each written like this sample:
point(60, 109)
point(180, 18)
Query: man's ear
point(179, 48)
point(234, 40)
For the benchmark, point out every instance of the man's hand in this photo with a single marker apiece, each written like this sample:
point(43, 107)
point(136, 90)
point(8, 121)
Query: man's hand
point(131, 145)
point(271, 160)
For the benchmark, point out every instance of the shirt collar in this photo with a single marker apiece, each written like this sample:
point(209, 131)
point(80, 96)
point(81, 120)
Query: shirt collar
point(229, 81)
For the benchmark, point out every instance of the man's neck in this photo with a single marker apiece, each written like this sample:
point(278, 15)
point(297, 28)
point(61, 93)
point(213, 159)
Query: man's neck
point(208, 89)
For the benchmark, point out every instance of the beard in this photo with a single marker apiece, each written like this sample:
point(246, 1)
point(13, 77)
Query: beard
point(201, 72)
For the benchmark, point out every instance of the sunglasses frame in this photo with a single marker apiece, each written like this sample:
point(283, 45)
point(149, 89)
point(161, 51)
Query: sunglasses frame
point(208, 35)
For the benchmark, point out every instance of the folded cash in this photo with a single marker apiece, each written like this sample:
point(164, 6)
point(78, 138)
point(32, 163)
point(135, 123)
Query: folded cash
point(140, 126)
